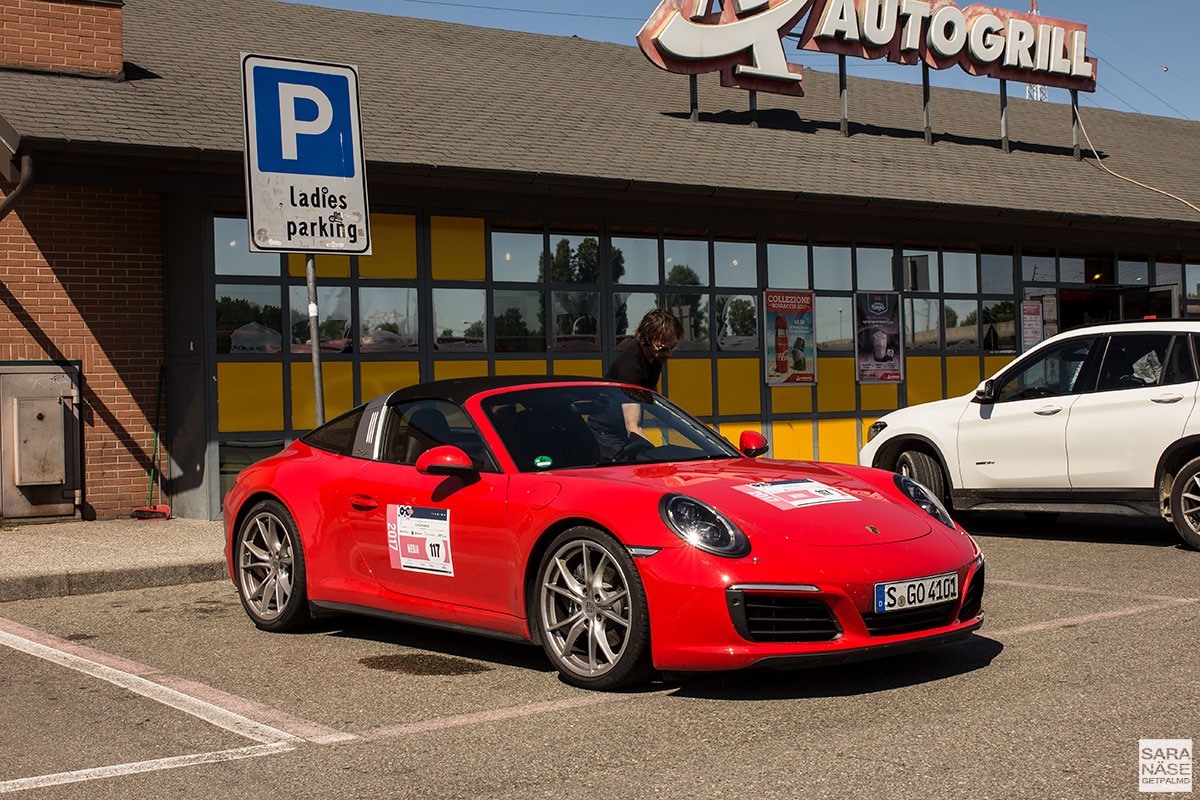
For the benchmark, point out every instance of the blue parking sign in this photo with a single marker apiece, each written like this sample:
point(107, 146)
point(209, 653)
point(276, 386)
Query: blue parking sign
point(305, 184)
point(312, 133)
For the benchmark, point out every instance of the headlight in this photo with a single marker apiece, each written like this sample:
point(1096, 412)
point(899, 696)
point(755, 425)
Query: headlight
point(876, 428)
point(702, 526)
point(924, 499)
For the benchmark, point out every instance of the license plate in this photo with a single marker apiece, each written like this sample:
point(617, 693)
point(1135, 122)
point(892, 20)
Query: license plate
point(916, 593)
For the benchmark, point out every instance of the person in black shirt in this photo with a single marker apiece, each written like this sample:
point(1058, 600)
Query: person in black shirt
point(640, 363)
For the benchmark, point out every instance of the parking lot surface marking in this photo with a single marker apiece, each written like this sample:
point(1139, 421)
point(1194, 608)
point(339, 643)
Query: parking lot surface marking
point(1163, 602)
point(132, 768)
point(237, 714)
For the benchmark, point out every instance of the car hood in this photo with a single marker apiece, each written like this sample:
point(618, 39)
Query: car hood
point(801, 502)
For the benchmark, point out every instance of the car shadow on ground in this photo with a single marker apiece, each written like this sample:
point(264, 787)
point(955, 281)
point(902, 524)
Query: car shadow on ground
point(1101, 528)
point(450, 646)
point(846, 680)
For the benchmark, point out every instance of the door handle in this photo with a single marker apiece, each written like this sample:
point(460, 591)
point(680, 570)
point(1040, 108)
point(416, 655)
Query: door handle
point(1167, 398)
point(363, 503)
point(1048, 411)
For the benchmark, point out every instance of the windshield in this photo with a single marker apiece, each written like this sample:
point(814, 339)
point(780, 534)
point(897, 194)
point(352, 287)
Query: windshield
point(564, 427)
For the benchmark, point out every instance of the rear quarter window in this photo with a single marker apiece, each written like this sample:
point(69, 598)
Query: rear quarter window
point(337, 435)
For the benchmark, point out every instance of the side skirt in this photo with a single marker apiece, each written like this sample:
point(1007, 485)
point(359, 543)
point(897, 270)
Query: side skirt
point(324, 608)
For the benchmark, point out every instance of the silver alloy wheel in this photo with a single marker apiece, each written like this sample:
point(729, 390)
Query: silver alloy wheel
point(265, 565)
point(585, 607)
point(1189, 502)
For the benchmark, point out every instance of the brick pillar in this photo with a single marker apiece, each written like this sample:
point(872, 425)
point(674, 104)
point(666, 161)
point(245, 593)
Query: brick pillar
point(81, 37)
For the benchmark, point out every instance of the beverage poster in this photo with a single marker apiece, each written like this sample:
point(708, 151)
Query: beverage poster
point(789, 348)
point(879, 357)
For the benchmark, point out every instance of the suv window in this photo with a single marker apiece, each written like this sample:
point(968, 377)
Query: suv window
point(1135, 360)
point(1057, 370)
point(412, 428)
point(1181, 367)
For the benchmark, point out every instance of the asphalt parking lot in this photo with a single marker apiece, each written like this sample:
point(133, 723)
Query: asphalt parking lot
point(1089, 645)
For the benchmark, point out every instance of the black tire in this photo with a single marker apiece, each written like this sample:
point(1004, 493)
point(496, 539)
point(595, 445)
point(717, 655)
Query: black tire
point(924, 469)
point(269, 559)
point(1185, 503)
point(588, 591)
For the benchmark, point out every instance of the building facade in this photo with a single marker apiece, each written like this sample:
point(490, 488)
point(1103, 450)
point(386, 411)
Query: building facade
point(531, 198)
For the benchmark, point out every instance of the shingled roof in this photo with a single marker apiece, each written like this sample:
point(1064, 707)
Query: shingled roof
point(460, 97)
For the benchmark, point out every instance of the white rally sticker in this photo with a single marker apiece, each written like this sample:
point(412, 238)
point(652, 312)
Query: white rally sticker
point(796, 494)
point(419, 539)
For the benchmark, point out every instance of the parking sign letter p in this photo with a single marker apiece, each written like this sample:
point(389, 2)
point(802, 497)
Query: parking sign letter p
point(290, 126)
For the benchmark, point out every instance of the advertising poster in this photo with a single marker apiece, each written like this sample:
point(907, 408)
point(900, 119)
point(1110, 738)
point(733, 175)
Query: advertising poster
point(878, 355)
point(789, 348)
point(1031, 324)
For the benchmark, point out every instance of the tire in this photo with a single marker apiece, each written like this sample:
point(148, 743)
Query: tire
point(924, 469)
point(270, 569)
point(1185, 503)
point(591, 613)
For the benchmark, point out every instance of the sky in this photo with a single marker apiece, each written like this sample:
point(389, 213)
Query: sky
point(1147, 48)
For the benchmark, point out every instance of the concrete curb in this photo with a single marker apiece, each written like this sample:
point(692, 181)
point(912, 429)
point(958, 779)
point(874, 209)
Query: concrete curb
point(112, 580)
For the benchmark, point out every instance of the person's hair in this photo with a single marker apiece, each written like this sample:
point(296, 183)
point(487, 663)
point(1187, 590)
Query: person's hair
point(656, 325)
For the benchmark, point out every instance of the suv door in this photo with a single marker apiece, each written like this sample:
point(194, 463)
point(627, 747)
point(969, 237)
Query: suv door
point(1020, 439)
point(1145, 392)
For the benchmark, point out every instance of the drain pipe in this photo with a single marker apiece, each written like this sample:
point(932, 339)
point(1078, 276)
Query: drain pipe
point(23, 184)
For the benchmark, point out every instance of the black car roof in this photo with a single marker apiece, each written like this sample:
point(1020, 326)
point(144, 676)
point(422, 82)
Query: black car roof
point(457, 390)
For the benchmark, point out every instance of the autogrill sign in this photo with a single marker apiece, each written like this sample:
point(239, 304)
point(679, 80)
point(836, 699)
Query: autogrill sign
point(744, 40)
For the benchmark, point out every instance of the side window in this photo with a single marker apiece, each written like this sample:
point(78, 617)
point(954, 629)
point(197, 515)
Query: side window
point(1180, 367)
point(1133, 361)
point(337, 435)
point(414, 427)
point(1055, 371)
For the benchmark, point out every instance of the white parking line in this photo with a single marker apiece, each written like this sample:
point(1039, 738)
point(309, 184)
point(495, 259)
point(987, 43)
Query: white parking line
point(1050, 587)
point(1068, 622)
point(273, 721)
point(94, 773)
point(214, 715)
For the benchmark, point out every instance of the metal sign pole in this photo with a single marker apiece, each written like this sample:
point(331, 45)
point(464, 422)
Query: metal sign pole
point(314, 338)
point(1004, 145)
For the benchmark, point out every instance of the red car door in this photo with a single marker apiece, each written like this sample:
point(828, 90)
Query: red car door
point(437, 537)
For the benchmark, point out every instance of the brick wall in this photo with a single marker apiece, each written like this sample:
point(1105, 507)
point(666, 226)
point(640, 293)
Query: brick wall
point(75, 36)
point(81, 279)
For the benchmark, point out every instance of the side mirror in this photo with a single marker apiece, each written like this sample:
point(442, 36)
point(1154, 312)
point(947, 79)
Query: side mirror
point(986, 392)
point(752, 443)
point(445, 459)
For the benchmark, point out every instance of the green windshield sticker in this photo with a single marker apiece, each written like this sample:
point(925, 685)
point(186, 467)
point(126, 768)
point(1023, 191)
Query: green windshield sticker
point(541, 462)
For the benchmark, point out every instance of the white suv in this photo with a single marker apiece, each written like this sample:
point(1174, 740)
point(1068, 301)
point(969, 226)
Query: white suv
point(1099, 419)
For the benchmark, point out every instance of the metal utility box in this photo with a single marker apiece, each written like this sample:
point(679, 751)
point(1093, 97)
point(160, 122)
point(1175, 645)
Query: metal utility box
point(39, 441)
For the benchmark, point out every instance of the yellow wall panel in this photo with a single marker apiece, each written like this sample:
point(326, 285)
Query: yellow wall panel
point(835, 384)
point(521, 367)
point(445, 370)
point(962, 375)
point(457, 248)
point(733, 430)
point(837, 440)
point(690, 380)
point(328, 265)
point(377, 377)
point(585, 368)
point(338, 387)
point(923, 374)
point(250, 397)
point(792, 439)
point(791, 399)
point(993, 364)
point(738, 382)
point(879, 397)
point(393, 248)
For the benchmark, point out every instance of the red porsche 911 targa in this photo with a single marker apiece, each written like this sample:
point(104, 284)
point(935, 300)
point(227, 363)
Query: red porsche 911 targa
point(521, 508)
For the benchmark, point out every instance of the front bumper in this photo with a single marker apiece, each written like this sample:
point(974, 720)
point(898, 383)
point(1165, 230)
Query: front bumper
point(695, 623)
